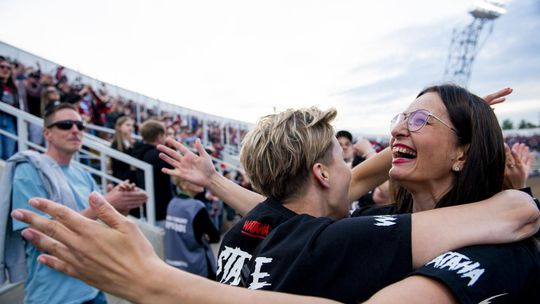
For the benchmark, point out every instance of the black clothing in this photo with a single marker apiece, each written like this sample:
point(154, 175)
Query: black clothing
point(491, 273)
point(120, 169)
point(163, 189)
point(508, 273)
point(315, 256)
point(240, 242)
point(346, 260)
point(375, 210)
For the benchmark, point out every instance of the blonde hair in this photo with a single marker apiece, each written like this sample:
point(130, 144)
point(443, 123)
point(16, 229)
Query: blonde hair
point(118, 137)
point(279, 153)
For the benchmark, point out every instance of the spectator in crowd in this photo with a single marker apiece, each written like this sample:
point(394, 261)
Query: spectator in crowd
point(67, 94)
point(32, 93)
point(153, 134)
point(170, 133)
point(30, 174)
point(123, 142)
point(115, 112)
point(135, 259)
point(345, 140)
point(49, 96)
point(8, 95)
point(188, 232)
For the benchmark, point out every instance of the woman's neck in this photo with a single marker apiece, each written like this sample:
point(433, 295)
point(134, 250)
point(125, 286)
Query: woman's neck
point(427, 198)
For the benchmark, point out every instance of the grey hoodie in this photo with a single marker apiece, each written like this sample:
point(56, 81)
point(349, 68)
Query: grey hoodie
point(12, 254)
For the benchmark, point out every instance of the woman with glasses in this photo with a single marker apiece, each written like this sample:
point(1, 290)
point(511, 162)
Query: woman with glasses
point(448, 149)
point(8, 95)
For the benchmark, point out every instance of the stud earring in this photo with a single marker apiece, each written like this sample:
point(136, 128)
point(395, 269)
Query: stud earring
point(456, 169)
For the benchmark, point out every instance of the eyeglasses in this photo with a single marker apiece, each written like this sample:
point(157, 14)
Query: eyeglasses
point(5, 66)
point(416, 120)
point(67, 124)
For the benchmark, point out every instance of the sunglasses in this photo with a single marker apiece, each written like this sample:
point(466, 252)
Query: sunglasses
point(416, 120)
point(68, 124)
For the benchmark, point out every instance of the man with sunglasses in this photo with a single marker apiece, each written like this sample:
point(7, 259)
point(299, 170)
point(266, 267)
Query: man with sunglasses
point(52, 175)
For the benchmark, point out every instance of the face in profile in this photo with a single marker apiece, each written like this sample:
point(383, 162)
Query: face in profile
point(339, 178)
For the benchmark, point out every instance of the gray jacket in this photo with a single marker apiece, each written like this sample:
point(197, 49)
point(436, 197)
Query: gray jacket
point(12, 254)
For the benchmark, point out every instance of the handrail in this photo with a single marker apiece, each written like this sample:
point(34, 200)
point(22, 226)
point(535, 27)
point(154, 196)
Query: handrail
point(92, 142)
point(109, 130)
point(231, 150)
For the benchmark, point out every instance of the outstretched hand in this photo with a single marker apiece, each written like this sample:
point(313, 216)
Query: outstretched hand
point(497, 97)
point(110, 257)
point(197, 169)
point(518, 165)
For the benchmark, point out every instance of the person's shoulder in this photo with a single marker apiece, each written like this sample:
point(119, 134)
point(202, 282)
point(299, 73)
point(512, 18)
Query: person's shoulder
point(25, 170)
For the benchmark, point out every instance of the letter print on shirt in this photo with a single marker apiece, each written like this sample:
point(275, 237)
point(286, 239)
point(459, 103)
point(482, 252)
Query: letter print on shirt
point(459, 263)
point(385, 220)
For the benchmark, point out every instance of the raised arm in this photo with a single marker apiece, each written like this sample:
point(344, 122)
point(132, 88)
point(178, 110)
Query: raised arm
point(198, 169)
point(116, 258)
point(508, 216)
point(370, 173)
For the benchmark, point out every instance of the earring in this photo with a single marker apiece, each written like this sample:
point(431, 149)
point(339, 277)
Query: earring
point(456, 168)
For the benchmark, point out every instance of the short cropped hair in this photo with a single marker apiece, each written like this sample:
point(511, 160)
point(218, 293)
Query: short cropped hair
point(51, 109)
point(280, 151)
point(151, 130)
point(346, 134)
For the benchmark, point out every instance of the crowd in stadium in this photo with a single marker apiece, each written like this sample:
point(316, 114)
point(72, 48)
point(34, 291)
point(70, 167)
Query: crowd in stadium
point(34, 90)
point(449, 226)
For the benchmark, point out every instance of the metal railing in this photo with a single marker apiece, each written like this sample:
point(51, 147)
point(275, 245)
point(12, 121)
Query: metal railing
point(94, 150)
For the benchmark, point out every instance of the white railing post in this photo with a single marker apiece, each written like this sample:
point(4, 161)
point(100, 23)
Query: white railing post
point(22, 132)
point(151, 203)
point(103, 165)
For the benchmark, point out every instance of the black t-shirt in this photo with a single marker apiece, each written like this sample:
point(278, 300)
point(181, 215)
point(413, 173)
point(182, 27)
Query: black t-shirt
point(240, 242)
point(346, 260)
point(508, 273)
point(163, 187)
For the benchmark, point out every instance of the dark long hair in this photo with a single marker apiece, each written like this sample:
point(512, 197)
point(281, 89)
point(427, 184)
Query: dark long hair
point(10, 82)
point(483, 172)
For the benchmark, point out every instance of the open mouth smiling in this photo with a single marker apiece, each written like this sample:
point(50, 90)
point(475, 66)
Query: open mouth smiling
point(403, 152)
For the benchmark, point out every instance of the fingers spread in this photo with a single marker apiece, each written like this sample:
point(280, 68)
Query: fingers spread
point(67, 217)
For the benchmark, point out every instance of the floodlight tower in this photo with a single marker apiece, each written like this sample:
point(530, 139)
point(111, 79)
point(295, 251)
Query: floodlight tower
point(464, 45)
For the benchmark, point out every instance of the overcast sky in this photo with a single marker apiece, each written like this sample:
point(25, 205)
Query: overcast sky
point(243, 59)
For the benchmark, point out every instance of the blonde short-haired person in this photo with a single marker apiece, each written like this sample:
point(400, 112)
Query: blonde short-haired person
point(119, 260)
